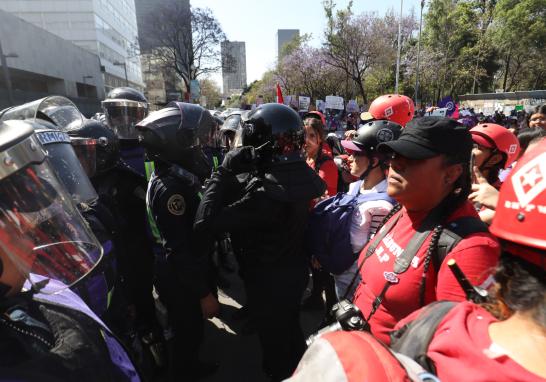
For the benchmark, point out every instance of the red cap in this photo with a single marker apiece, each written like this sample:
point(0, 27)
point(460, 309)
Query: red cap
point(521, 209)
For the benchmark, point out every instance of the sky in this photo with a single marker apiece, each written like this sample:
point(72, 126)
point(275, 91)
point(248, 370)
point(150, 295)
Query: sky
point(256, 23)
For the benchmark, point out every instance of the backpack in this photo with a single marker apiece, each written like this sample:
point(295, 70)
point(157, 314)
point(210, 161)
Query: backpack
point(328, 236)
point(413, 339)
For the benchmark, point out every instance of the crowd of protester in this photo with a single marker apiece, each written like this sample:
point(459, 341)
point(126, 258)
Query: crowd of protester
point(420, 237)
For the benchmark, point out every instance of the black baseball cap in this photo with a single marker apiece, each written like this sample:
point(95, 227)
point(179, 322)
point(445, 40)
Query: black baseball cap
point(427, 137)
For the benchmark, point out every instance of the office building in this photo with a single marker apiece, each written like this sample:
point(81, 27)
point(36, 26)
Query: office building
point(233, 67)
point(284, 36)
point(104, 27)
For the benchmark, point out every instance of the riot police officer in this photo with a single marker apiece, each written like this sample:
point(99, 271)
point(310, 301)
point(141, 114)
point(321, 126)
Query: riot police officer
point(174, 138)
point(122, 192)
point(266, 216)
point(123, 108)
point(47, 331)
point(97, 286)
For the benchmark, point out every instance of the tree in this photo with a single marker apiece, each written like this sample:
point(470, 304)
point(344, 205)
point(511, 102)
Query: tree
point(356, 44)
point(520, 36)
point(190, 49)
point(211, 90)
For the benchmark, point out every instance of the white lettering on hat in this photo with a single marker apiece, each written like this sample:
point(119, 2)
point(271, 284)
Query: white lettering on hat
point(512, 149)
point(530, 180)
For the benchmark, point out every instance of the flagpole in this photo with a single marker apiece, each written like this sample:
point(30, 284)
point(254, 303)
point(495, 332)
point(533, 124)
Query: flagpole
point(398, 55)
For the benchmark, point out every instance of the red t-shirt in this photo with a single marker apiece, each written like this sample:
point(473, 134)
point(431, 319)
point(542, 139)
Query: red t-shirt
point(476, 255)
point(462, 349)
point(327, 169)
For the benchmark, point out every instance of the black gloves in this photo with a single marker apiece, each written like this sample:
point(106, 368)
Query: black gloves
point(240, 160)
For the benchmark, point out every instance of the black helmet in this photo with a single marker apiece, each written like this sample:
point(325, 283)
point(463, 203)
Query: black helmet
point(127, 93)
point(276, 124)
point(123, 108)
point(177, 134)
point(371, 134)
point(105, 142)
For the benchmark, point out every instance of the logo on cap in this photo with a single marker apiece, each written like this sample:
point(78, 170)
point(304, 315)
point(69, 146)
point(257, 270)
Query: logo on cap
point(512, 149)
point(530, 180)
point(389, 112)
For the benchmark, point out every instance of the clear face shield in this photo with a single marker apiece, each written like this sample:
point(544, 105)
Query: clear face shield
point(65, 162)
point(86, 151)
point(41, 231)
point(57, 109)
point(122, 115)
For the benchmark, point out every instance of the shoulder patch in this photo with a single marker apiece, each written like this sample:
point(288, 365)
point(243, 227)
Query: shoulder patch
point(176, 205)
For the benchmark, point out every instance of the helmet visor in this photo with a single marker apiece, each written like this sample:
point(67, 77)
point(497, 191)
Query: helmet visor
point(56, 109)
point(41, 231)
point(86, 151)
point(66, 164)
point(122, 116)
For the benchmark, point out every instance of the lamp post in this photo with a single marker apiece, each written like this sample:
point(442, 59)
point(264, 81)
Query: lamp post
point(398, 55)
point(418, 55)
point(117, 63)
point(5, 69)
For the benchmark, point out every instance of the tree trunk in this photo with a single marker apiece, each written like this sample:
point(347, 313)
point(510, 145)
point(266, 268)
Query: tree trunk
point(507, 68)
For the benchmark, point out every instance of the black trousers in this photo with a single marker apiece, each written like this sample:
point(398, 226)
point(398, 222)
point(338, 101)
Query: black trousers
point(185, 317)
point(274, 294)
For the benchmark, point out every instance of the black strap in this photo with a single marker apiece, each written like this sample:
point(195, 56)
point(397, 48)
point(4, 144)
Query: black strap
point(453, 233)
point(402, 262)
point(373, 245)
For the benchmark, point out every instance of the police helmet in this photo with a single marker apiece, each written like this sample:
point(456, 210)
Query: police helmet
point(177, 134)
point(95, 136)
point(123, 108)
point(41, 232)
point(275, 125)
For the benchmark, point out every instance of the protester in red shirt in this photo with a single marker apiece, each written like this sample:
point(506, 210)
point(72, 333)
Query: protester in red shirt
point(319, 154)
point(503, 340)
point(429, 174)
point(495, 148)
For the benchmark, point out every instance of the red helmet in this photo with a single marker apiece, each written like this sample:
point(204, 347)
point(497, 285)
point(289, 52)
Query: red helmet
point(393, 107)
point(521, 209)
point(316, 114)
point(497, 137)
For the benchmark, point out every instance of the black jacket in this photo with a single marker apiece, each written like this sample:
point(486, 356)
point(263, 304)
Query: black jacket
point(45, 342)
point(173, 197)
point(266, 215)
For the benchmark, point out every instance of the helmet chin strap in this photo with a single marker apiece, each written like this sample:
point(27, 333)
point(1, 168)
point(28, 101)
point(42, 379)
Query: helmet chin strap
point(484, 163)
point(369, 168)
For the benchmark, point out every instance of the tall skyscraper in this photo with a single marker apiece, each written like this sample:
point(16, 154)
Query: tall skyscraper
point(104, 27)
point(144, 8)
point(284, 36)
point(233, 67)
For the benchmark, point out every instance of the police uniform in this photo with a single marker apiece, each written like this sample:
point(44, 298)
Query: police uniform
point(182, 276)
point(123, 191)
point(266, 217)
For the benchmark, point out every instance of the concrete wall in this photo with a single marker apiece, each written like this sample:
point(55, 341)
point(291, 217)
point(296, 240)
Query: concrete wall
point(45, 57)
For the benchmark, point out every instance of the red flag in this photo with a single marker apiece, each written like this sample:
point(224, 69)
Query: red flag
point(280, 99)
